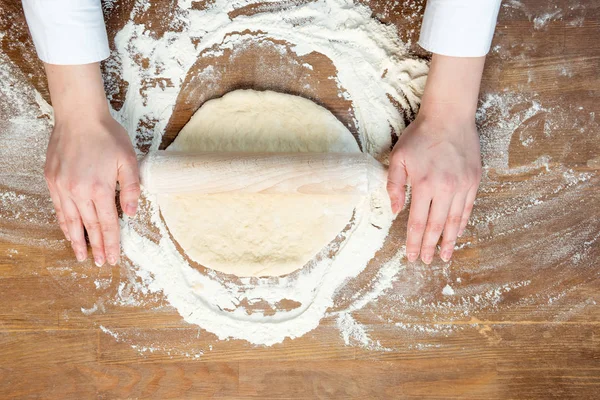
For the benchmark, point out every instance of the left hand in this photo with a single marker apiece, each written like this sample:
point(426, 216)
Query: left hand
point(440, 158)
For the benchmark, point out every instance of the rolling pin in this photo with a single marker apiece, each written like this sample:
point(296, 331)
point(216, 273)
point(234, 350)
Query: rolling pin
point(288, 173)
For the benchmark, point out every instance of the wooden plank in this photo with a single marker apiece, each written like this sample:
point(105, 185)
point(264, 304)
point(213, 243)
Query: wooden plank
point(131, 381)
point(34, 350)
point(369, 380)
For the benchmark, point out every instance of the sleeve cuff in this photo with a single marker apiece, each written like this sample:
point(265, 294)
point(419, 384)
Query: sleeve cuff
point(67, 32)
point(459, 28)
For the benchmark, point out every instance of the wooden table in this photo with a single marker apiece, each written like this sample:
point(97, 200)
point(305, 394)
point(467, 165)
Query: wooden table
point(524, 321)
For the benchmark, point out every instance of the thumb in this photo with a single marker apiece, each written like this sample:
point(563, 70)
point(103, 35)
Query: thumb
point(129, 181)
point(395, 184)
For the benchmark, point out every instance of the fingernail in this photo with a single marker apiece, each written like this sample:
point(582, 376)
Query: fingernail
point(99, 261)
point(427, 259)
point(446, 255)
point(412, 257)
point(80, 255)
point(460, 233)
point(112, 260)
point(131, 209)
point(67, 237)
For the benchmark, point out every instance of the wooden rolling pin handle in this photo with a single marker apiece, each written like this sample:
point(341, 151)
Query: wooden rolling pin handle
point(300, 173)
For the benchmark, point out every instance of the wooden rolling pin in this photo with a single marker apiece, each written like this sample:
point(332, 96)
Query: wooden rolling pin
point(301, 173)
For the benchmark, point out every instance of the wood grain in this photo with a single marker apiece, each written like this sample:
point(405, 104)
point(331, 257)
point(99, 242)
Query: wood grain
point(525, 320)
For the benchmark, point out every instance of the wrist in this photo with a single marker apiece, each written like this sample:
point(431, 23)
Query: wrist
point(453, 113)
point(77, 93)
point(452, 89)
point(86, 122)
point(76, 112)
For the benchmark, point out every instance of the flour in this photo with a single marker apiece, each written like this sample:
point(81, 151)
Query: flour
point(371, 61)
point(448, 291)
point(12, 253)
point(202, 298)
point(90, 311)
point(373, 70)
point(541, 21)
point(521, 201)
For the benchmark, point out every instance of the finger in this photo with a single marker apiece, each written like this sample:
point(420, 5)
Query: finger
point(395, 184)
point(75, 227)
point(470, 200)
point(92, 226)
point(452, 226)
point(440, 205)
point(417, 220)
point(129, 180)
point(109, 223)
point(59, 212)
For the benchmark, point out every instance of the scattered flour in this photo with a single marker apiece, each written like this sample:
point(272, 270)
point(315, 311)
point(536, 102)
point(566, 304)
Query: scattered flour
point(90, 311)
point(373, 70)
point(397, 294)
point(448, 291)
point(541, 21)
point(357, 44)
point(539, 18)
point(108, 331)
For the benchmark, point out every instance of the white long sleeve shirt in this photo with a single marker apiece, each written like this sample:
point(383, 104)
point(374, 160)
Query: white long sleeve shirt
point(71, 32)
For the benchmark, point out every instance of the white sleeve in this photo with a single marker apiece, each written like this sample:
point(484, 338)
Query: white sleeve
point(459, 28)
point(67, 32)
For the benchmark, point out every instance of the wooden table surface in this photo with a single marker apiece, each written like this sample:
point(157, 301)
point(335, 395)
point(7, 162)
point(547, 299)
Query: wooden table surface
point(524, 321)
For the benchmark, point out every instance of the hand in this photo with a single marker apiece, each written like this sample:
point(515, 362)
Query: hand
point(441, 161)
point(88, 153)
point(438, 154)
point(84, 161)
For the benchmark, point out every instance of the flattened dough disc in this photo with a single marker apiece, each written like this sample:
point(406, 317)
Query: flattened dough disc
point(258, 235)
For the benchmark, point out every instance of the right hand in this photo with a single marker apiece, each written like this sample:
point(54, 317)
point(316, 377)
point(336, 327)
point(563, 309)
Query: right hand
point(85, 159)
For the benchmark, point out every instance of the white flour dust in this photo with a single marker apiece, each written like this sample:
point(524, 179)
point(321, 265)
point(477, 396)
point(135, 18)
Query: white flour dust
point(371, 62)
point(372, 68)
point(530, 197)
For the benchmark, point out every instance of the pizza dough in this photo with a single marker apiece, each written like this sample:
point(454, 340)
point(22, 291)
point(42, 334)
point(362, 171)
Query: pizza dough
point(258, 234)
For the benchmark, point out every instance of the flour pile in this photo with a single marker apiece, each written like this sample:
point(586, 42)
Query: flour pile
point(373, 71)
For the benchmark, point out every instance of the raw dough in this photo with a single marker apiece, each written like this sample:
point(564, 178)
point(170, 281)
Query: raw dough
point(258, 234)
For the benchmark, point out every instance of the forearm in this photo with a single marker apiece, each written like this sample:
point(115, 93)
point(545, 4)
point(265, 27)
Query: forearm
point(452, 88)
point(77, 91)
